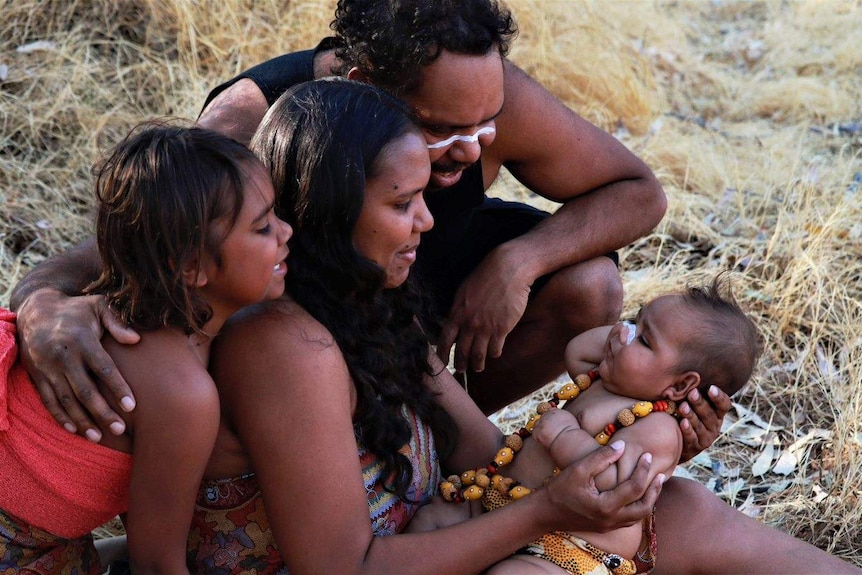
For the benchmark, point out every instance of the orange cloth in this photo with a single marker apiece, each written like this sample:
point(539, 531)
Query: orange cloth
point(50, 478)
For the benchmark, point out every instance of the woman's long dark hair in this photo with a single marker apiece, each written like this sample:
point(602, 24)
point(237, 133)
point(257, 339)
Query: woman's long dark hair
point(322, 142)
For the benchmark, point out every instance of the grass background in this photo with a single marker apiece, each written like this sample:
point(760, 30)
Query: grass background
point(748, 112)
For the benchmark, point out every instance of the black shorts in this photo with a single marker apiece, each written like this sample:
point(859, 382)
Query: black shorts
point(493, 223)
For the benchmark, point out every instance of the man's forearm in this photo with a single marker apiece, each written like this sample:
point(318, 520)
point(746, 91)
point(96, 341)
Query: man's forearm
point(69, 272)
point(590, 225)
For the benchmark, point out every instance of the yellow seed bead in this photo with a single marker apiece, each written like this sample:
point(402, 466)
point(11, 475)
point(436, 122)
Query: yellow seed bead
point(504, 457)
point(468, 477)
point(448, 491)
point(568, 391)
point(518, 492)
point(473, 492)
point(642, 408)
point(531, 423)
point(603, 438)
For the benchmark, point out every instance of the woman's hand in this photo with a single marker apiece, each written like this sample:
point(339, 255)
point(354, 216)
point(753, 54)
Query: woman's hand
point(701, 423)
point(582, 507)
point(60, 348)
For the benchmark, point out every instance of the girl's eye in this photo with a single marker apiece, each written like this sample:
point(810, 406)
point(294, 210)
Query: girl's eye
point(403, 207)
point(265, 229)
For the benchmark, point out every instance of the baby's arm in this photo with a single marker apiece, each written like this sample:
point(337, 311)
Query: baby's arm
point(558, 431)
point(657, 434)
point(584, 352)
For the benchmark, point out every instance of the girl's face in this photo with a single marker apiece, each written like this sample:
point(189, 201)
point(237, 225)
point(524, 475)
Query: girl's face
point(251, 265)
point(394, 213)
point(649, 366)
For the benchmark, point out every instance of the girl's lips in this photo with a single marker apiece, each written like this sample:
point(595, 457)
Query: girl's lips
point(280, 269)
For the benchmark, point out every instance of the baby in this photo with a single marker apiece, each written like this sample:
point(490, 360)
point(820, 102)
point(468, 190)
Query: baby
point(628, 378)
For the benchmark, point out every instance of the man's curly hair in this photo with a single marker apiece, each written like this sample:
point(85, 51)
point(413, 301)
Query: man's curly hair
point(390, 41)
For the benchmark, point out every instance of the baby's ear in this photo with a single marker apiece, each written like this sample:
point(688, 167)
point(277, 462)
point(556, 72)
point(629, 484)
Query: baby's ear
point(684, 383)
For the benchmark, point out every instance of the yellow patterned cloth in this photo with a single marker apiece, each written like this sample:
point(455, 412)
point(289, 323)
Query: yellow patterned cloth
point(576, 555)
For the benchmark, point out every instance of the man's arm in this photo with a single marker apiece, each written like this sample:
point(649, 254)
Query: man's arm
point(236, 112)
point(59, 339)
point(609, 197)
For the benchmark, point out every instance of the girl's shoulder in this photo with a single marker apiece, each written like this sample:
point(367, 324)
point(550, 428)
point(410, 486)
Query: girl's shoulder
point(164, 361)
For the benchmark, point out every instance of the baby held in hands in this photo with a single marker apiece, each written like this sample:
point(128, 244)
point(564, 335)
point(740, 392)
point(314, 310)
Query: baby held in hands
point(627, 380)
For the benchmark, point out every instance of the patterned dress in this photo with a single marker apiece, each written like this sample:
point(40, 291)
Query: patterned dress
point(231, 534)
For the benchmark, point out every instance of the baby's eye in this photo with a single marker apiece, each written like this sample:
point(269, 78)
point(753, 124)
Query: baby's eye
point(644, 341)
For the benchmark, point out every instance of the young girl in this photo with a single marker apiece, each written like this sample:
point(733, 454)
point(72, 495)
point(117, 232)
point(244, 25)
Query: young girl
point(187, 235)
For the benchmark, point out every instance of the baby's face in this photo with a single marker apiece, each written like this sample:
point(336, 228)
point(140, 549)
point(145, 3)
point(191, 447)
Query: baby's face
point(640, 358)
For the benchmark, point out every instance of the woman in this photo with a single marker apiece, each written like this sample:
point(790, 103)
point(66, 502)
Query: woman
point(335, 411)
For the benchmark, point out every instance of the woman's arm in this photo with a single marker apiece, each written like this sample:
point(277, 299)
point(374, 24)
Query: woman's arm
point(174, 429)
point(292, 401)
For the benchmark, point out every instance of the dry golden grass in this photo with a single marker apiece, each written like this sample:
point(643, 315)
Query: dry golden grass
point(749, 113)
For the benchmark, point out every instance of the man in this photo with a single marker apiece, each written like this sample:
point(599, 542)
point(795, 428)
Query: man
point(512, 284)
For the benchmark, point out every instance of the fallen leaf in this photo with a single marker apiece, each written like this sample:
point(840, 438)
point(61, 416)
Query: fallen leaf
point(36, 46)
point(764, 460)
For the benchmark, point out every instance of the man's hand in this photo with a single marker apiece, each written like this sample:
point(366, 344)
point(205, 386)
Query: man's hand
point(487, 307)
point(582, 507)
point(701, 421)
point(60, 348)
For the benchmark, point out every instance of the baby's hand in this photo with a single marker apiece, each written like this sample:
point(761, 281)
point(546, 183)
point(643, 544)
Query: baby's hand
point(552, 424)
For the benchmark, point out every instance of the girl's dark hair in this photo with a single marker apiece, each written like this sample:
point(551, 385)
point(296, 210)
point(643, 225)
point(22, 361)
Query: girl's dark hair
point(322, 141)
point(390, 41)
point(160, 191)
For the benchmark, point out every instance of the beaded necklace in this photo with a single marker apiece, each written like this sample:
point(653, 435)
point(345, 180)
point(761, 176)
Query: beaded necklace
point(473, 483)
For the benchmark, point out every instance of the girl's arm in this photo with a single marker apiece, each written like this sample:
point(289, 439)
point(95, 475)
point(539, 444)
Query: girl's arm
point(292, 401)
point(174, 429)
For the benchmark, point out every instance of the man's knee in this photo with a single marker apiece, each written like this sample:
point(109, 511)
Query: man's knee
point(586, 295)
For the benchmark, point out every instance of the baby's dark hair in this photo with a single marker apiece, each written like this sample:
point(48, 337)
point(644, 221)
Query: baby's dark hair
point(160, 192)
point(390, 41)
point(727, 344)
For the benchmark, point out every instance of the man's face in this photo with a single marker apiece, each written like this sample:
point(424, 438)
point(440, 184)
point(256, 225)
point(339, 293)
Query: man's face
point(459, 96)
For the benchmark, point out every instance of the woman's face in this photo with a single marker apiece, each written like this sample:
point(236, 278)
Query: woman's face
point(394, 213)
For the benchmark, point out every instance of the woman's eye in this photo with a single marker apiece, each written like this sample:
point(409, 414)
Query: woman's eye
point(265, 229)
